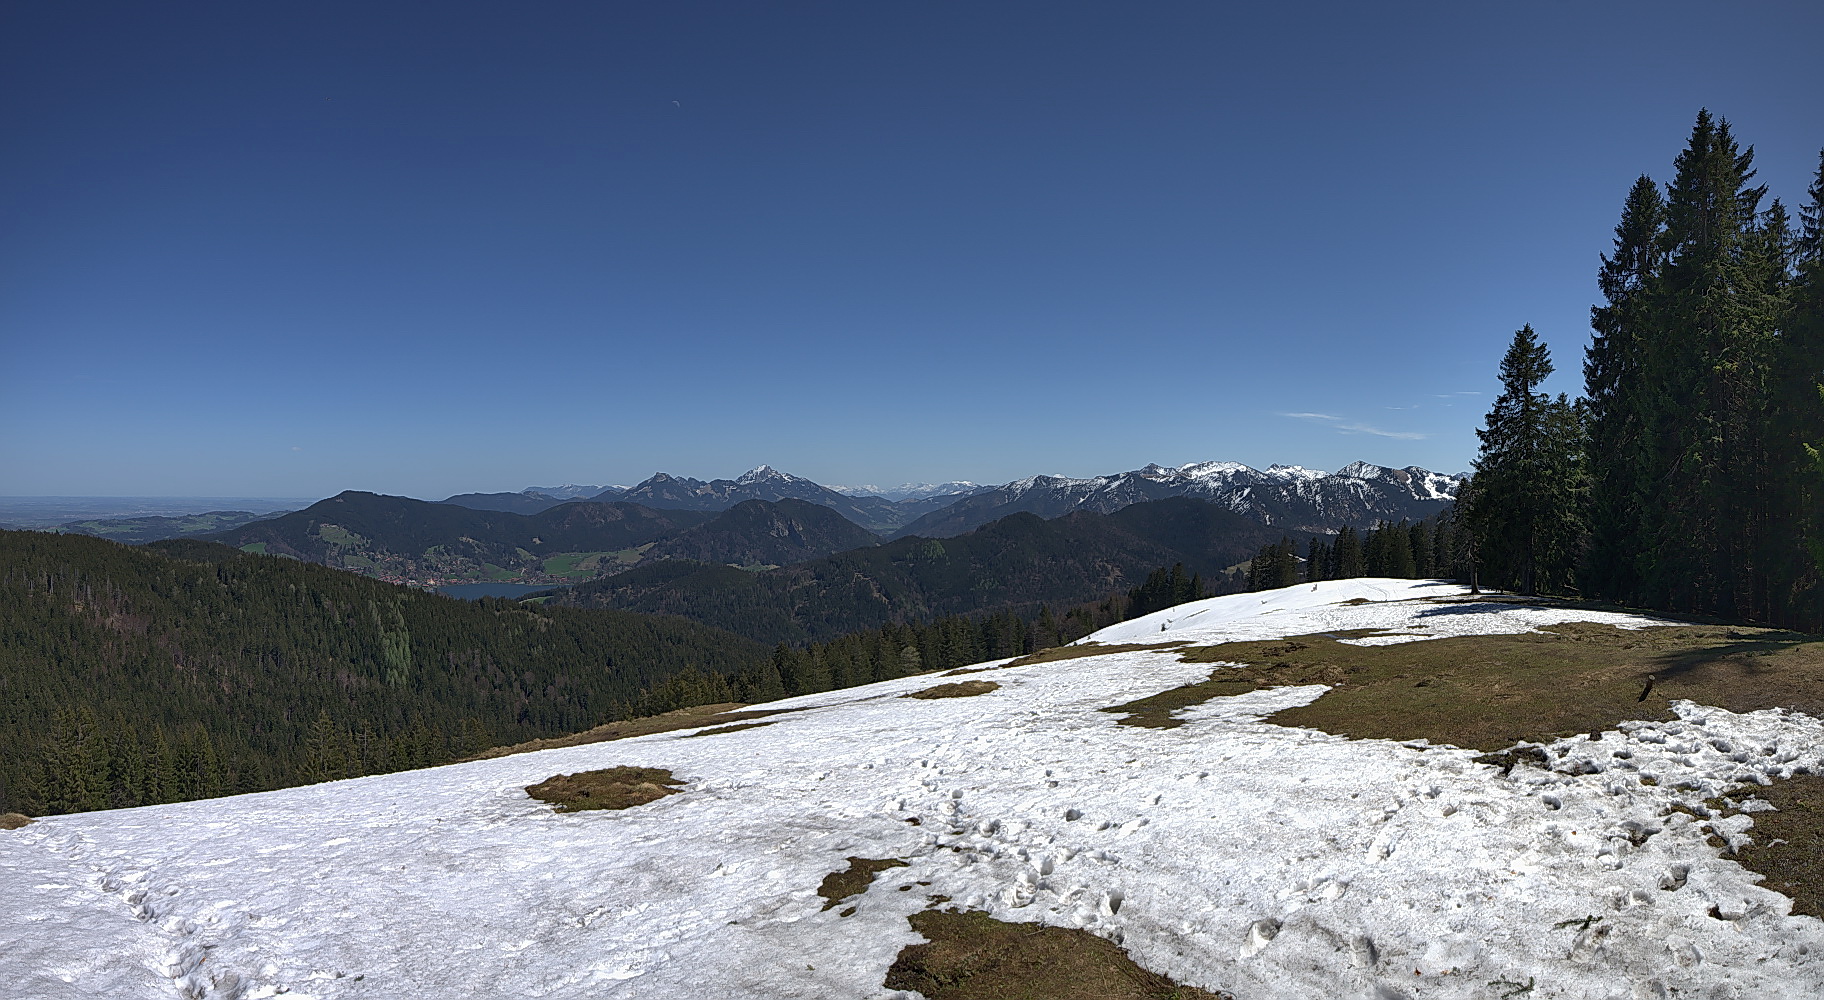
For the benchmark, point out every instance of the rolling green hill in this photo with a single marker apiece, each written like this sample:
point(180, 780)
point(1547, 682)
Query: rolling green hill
point(152, 527)
point(406, 540)
point(758, 533)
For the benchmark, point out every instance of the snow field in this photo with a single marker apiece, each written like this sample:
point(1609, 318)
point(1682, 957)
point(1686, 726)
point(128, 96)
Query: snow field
point(1228, 853)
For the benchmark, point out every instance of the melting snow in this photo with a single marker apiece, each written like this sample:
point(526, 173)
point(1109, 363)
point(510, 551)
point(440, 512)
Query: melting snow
point(1229, 853)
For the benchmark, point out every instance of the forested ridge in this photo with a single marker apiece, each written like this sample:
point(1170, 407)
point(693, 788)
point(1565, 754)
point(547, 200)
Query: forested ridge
point(1015, 564)
point(1688, 478)
point(186, 669)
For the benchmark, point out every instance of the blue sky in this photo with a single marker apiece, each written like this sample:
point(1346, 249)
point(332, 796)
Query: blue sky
point(290, 249)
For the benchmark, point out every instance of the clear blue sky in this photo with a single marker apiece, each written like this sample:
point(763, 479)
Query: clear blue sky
point(288, 249)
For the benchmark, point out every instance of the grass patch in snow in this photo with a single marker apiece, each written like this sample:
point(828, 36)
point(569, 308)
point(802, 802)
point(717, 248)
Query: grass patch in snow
point(719, 730)
point(1052, 654)
point(972, 956)
point(1788, 844)
point(683, 718)
point(1490, 692)
point(1248, 666)
point(13, 821)
point(853, 881)
point(610, 788)
point(958, 689)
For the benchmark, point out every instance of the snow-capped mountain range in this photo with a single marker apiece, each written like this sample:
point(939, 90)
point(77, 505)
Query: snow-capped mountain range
point(1359, 494)
point(915, 491)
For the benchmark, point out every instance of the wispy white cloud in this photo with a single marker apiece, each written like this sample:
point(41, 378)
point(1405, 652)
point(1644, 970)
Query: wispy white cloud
point(1365, 429)
point(1343, 425)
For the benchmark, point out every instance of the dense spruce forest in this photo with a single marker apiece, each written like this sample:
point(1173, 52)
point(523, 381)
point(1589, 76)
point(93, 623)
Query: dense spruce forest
point(185, 669)
point(1432, 548)
point(1689, 477)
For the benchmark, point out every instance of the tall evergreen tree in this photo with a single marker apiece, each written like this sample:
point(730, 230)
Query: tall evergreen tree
point(1419, 540)
point(1526, 509)
point(1706, 380)
point(1612, 382)
point(1800, 403)
point(1346, 555)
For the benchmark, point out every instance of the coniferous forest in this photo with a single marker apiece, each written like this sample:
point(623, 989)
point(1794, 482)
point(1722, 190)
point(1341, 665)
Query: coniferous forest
point(183, 669)
point(1688, 478)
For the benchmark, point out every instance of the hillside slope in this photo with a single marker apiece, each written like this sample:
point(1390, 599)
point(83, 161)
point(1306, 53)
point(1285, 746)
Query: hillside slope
point(406, 540)
point(1016, 563)
point(183, 668)
point(760, 534)
point(511, 503)
point(1228, 853)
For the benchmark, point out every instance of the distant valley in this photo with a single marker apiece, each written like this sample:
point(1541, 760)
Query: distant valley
point(1017, 564)
point(774, 531)
point(153, 528)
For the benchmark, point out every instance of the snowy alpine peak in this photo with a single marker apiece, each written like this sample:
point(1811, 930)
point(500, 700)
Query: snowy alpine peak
point(1051, 482)
point(1294, 472)
point(767, 474)
point(1363, 470)
point(912, 491)
point(1213, 471)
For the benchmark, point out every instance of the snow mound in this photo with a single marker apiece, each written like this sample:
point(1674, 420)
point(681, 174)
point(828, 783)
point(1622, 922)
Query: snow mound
point(1229, 853)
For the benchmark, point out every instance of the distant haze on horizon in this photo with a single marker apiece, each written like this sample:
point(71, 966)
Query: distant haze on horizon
point(287, 251)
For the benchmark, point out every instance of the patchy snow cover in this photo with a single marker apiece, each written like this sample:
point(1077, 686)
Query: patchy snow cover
point(913, 491)
point(1228, 853)
point(1319, 607)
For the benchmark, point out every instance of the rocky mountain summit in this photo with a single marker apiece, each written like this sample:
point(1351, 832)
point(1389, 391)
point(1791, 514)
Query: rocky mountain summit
point(1289, 496)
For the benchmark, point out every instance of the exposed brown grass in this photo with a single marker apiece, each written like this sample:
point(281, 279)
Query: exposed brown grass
point(683, 718)
point(611, 788)
point(1788, 845)
point(854, 880)
point(1490, 692)
point(1053, 654)
point(719, 730)
point(1495, 691)
point(13, 821)
point(972, 956)
point(959, 689)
